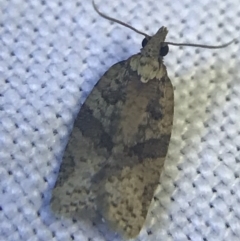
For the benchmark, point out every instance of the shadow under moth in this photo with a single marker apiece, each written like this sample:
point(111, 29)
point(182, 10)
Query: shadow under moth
point(116, 151)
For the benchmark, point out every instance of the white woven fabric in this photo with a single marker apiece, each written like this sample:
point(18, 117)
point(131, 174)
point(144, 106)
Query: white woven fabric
point(51, 54)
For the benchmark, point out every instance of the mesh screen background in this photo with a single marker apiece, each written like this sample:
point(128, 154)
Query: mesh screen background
point(51, 55)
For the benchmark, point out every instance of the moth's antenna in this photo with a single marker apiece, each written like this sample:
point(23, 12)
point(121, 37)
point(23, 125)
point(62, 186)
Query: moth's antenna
point(170, 43)
point(202, 45)
point(116, 20)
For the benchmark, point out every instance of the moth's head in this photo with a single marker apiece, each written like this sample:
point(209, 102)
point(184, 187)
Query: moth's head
point(154, 46)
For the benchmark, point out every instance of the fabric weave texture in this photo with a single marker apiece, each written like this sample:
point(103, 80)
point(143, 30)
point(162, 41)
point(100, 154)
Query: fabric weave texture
point(51, 55)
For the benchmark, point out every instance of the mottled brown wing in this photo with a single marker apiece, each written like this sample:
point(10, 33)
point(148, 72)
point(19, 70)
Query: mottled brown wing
point(116, 150)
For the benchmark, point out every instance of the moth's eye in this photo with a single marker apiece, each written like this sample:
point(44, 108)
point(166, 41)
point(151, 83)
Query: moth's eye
point(164, 50)
point(144, 42)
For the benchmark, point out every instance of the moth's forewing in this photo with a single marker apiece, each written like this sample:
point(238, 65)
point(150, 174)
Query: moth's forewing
point(117, 149)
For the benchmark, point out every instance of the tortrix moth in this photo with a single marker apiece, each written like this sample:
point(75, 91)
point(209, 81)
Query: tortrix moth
point(116, 151)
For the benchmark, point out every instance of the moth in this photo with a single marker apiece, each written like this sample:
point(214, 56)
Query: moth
point(116, 151)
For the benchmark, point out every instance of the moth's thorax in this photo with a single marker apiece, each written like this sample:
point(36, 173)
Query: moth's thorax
point(147, 68)
point(149, 64)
